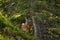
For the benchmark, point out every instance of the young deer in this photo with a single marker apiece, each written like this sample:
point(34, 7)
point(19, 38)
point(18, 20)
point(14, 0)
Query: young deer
point(24, 26)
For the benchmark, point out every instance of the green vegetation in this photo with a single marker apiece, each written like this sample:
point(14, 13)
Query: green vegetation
point(43, 17)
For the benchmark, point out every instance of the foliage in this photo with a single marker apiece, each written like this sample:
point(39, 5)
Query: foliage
point(45, 12)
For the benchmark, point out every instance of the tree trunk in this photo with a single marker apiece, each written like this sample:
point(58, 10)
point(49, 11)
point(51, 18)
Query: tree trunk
point(33, 20)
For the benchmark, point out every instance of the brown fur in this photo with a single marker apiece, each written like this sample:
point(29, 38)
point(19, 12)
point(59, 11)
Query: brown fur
point(24, 26)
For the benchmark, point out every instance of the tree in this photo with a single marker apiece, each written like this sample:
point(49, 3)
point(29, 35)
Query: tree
point(8, 7)
point(43, 15)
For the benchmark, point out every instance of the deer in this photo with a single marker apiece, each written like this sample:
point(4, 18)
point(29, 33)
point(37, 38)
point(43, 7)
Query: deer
point(24, 25)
